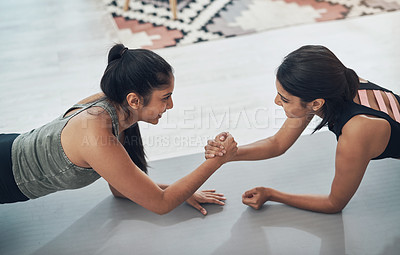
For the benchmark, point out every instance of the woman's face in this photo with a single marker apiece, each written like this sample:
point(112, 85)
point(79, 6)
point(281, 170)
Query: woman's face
point(291, 104)
point(160, 101)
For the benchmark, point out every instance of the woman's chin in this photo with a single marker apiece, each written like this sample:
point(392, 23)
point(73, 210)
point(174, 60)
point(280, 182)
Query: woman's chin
point(153, 121)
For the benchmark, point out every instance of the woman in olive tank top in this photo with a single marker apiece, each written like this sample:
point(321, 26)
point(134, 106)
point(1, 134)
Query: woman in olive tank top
point(99, 137)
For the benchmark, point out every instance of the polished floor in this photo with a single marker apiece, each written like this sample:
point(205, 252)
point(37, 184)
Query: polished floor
point(91, 221)
point(53, 54)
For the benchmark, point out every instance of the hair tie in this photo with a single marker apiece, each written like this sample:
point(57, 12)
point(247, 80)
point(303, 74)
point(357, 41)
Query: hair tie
point(123, 51)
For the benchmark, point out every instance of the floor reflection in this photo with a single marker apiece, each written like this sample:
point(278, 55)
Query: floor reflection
point(256, 232)
point(119, 224)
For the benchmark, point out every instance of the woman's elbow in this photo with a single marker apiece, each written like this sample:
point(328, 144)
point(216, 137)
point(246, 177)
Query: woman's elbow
point(334, 210)
point(281, 152)
point(162, 206)
point(280, 149)
point(161, 210)
point(335, 207)
point(115, 192)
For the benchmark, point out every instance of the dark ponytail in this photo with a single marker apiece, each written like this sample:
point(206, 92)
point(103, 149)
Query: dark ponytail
point(139, 71)
point(353, 83)
point(313, 72)
point(133, 144)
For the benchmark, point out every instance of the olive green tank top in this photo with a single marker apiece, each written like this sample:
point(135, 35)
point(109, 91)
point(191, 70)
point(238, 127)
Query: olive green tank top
point(39, 163)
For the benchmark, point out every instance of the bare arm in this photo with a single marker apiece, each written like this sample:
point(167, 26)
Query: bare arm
point(351, 163)
point(359, 142)
point(196, 200)
point(116, 193)
point(112, 162)
point(266, 148)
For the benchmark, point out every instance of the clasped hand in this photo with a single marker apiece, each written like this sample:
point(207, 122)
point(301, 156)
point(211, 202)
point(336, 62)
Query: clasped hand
point(224, 145)
point(221, 146)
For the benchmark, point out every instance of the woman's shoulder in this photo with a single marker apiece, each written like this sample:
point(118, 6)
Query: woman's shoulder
point(93, 119)
point(83, 103)
point(365, 123)
point(368, 131)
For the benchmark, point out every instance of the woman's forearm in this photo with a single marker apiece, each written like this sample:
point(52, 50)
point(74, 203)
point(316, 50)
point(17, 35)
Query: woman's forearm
point(262, 149)
point(275, 145)
point(116, 193)
point(316, 203)
point(179, 191)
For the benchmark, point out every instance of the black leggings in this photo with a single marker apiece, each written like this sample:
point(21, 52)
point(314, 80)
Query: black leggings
point(9, 191)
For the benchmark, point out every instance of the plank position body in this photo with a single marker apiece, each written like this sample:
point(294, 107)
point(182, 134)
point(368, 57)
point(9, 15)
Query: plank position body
point(100, 137)
point(364, 117)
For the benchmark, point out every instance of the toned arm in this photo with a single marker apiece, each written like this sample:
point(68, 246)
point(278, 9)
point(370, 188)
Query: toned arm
point(116, 193)
point(113, 163)
point(362, 138)
point(275, 145)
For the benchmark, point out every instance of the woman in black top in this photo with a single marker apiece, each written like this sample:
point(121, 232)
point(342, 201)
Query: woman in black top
point(365, 118)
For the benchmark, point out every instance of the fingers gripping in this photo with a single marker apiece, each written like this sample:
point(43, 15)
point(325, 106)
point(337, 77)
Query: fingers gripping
point(214, 148)
point(222, 136)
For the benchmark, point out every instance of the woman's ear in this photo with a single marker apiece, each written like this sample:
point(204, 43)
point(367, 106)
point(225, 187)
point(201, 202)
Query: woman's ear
point(133, 100)
point(317, 104)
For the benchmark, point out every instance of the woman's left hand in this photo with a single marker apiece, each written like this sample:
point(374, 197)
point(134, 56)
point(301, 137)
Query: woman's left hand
point(256, 197)
point(205, 196)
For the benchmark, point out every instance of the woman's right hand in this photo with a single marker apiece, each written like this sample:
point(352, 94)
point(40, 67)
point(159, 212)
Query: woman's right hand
point(215, 147)
point(227, 146)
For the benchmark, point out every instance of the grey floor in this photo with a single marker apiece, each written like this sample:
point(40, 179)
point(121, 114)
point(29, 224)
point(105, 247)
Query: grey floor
point(91, 221)
point(53, 54)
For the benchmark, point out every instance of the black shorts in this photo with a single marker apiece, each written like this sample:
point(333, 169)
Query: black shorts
point(9, 191)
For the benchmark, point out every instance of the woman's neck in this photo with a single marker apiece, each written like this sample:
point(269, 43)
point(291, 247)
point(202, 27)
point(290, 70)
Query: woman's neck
point(125, 120)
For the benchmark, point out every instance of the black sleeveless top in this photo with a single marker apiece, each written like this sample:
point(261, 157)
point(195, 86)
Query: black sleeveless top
point(352, 109)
